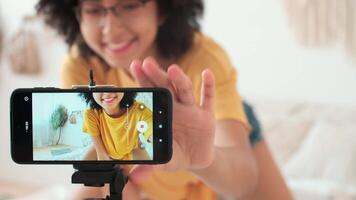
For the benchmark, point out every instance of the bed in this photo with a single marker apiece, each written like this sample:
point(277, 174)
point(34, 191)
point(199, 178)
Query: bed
point(313, 144)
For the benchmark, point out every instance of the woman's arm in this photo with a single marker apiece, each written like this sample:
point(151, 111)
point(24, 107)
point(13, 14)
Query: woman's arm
point(271, 184)
point(140, 153)
point(100, 149)
point(233, 172)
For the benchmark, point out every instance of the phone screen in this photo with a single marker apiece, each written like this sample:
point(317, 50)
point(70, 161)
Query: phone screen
point(90, 126)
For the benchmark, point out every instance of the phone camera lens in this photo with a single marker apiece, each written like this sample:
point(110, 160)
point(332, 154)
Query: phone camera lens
point(26, 98)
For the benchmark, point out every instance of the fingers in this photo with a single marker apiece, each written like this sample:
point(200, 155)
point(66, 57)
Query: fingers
point(182, 84)
point(207, 100)
point(130, 191)
point(156, 75)
point(140, 173)
point(139, 75)
point(148, 74)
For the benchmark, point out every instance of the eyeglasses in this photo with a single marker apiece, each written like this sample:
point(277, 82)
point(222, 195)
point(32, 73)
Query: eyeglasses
point(94, 14)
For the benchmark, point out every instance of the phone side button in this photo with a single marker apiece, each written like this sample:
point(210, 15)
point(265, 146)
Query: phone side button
point(55, 88)
point(46, 88)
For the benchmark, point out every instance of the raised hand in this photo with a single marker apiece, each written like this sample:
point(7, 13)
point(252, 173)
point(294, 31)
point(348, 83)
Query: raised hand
point(193, 124)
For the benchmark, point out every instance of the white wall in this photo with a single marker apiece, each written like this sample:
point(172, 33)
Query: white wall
point(255, 34)
point(271, 64)
point(43, 107)
point(54, 49)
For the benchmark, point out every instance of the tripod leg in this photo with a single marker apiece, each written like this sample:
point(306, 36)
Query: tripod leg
point(117, 185)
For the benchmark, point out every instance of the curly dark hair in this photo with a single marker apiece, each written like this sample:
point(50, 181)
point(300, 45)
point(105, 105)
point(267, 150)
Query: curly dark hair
point(128, 99)
point(174, 38)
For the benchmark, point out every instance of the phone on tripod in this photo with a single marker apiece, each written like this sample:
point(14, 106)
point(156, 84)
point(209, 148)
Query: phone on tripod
point(91, 125)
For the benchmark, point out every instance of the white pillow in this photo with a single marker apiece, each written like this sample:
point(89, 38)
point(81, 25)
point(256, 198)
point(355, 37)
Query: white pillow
point(321, 190)
point(328, 152)
point(285, 125)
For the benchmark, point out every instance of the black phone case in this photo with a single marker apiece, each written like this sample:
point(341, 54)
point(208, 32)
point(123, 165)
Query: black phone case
point(20, 152)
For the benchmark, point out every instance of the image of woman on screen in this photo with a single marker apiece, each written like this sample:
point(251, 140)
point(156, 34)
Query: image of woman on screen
point(116, 122)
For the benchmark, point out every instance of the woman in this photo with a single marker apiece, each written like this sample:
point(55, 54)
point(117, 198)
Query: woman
point(135, 43)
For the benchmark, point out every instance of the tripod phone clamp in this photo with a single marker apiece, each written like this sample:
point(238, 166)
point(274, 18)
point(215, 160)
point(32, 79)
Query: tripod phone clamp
point(92, 83)
point(97, 175)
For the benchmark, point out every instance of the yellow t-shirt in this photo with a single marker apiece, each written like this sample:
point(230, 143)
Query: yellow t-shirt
point(119, 140)
point(205, 53)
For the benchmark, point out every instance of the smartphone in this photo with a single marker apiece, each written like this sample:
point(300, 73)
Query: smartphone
point(91, 125)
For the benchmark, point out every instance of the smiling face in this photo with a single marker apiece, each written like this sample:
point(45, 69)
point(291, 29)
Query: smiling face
point(122, 37)
point(109, 101)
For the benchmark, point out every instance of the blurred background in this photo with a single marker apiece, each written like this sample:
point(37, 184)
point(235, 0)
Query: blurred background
point(301, 80)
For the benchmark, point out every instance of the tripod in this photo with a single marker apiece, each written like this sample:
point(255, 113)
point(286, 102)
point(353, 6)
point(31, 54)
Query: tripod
point(98, 175)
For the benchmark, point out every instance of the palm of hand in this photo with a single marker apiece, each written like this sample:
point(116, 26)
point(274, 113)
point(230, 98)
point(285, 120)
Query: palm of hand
point(193, 125)
point(193, 137)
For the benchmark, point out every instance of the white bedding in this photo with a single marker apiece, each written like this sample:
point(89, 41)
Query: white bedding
point(314, 145)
